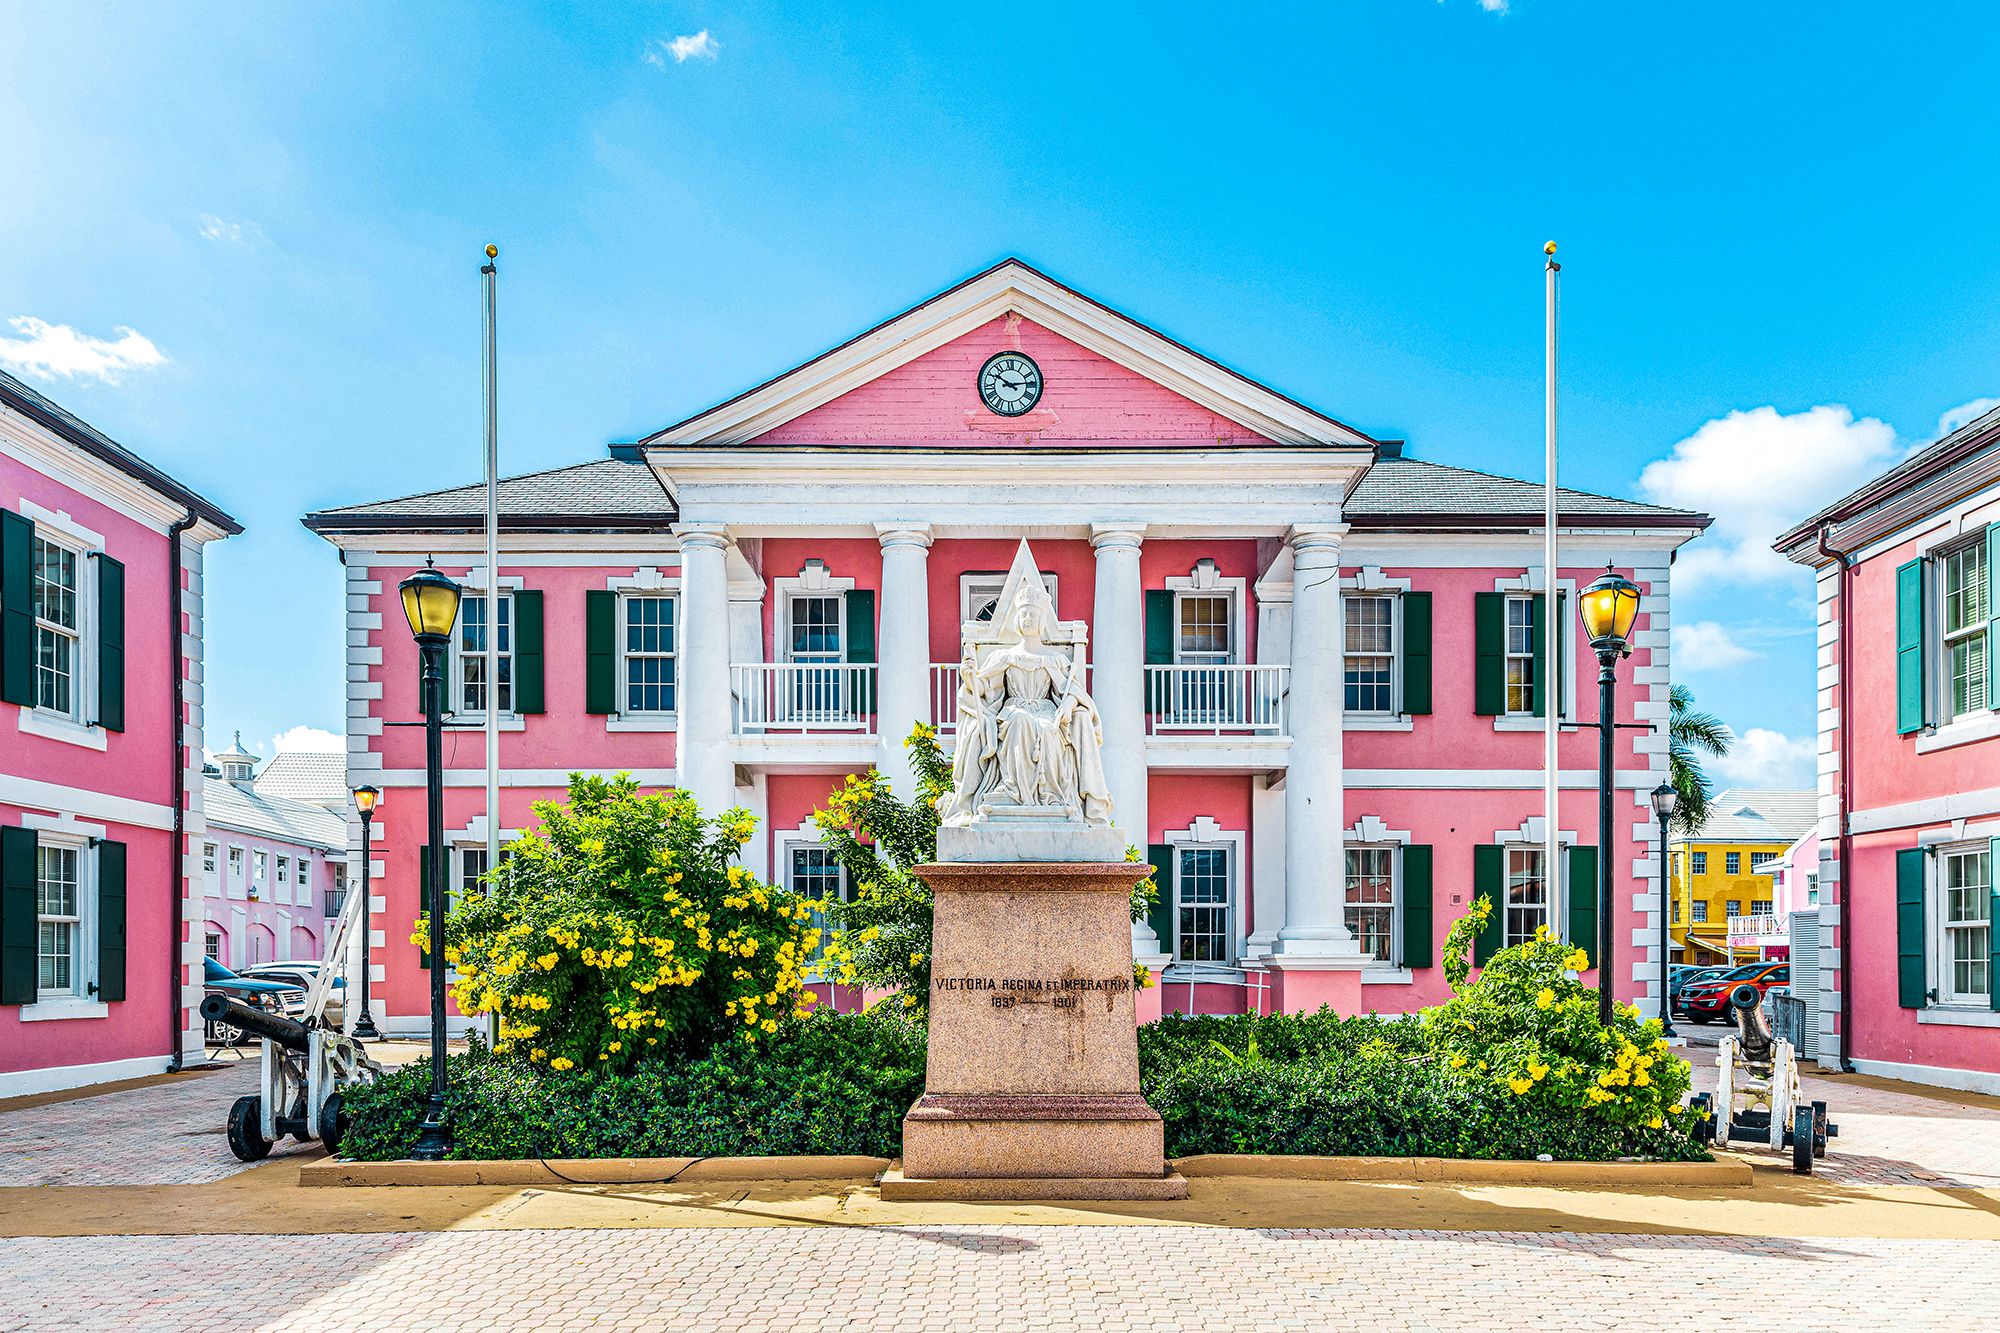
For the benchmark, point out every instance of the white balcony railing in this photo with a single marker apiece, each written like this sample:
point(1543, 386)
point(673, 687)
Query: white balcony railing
point(1218, 700)
point(944, 697)
point(1757, 925)
point(803, 697)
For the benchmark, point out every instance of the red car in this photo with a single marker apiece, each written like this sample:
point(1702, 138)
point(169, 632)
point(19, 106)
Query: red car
point(1708, 1001)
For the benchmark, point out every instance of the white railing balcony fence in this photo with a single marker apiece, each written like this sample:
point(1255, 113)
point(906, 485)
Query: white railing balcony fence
point(1762, 925)
point(944, 697)
point(1218, 700)
point(803, 697)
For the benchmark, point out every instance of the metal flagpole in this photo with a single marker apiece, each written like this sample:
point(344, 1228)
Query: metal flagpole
point(1552, 875)
point(489, 273)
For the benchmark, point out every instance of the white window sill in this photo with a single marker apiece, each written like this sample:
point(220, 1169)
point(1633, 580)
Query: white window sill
point(1955, 1017)
point(1529, 722)
point(1962, 732)
point(477, 722)
point(1376, 722)
point(64, 1007)
point(643, 722)
point(54, 727)
point(1380, 975)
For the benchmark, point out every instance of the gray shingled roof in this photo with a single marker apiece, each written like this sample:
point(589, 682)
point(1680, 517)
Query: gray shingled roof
point(1890, 484)
point(316, 777)
point(612, 492)
point(53, 416)
point(226, 805)
point(1415, 488)
point(1758, 816)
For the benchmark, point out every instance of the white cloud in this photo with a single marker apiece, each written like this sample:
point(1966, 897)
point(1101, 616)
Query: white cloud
point(692, 46)
point(1761, 757)
point(1759, 472)
point(46, 351)
point(223, 231)
point(310, 739)
point(1495, 7)
point(1965, 412)
point(1703, 645)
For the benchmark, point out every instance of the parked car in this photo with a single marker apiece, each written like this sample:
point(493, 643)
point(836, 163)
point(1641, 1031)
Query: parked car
point(1685, 974)
point(1707, 1001)
point(300, 974)
point(263, 992)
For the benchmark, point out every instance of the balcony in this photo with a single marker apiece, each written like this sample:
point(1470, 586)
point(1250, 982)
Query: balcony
point(1224, 700)
point(802, 698)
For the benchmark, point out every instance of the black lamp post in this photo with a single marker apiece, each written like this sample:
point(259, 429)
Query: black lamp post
point(1664, 797)
point(430, 601)
point(365, 801)
point(1608, 607)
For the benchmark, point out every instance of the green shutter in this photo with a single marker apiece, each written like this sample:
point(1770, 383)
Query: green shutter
point(424, 896)
point(1909, 647)
point(1417, 907)
point(110, 921)
point(600, 653)
point(1583, 901)
point(1159, 645)
point(1562, 658)
point(861, 648)
point(17, 916)
point(528, 672)
point(1536, 692)
point(1489, 630)
point(17, 616)
point(1912, 984)
point(1992, 903)
point(1993, 634)
point(1161, 915)
point(110, 644)
point(1417, 655)
point(1489, 881)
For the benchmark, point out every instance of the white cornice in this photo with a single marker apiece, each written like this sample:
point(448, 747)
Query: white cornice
point(1019, 289)
point(63, 462)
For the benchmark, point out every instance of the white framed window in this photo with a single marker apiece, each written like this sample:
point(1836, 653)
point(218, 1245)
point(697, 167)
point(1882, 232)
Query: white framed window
point(1370, 652)
point(208, 853)
point(1204, 904)
point(1812, 888)
point(813, 874)
point(468, 655)
point(260, 868)
point(1527, 894)
point(211, 945)
point(1523, 636)
point(1735, 907)
point(1964, 917)
point(1700, 863)
point(1700, 908)
point(1204, 628)
point(59, 920)
point(470, 869)
point(305, 879)
point(648, 633)
point(979, 593)
point(1760, 907)
point(59, 622)
point(1759, 860)
point(236, 864)
point(1372, 901)
point(284, 871)
point(1732, 863)
point(1964, 605)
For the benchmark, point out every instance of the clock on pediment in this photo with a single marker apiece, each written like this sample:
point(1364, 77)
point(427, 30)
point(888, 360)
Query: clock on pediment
point(1010, 383)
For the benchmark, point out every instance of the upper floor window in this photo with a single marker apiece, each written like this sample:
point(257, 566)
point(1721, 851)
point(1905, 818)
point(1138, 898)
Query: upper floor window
point(469, 665)
point(1700, 910)
point(1370, 653)
point(58, 629)
point(1523, 654)
point(980, 593)
point(1964, 597)
point(236, 863)
point(1735, 907)
point(1732, 863)
point(1759, 860)
point(305, 878)
point(260, 866)
point(208, 858)
point(1701, 863)
point(1371, 900)
point(649, 636)
point(1204, 629)
point(1760, 907)
point(284, 870)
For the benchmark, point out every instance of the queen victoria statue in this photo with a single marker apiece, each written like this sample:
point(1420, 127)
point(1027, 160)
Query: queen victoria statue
point(1030, 748)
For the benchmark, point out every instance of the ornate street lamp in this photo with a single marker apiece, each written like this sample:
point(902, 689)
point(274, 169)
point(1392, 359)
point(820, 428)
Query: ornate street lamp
point(365, 801)
point(430, 601)
point(1608, 607)
point(1664, 798)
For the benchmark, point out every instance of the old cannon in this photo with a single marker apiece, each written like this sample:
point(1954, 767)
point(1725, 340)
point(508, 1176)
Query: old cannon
point(1757, 1089)
point(306, 1063)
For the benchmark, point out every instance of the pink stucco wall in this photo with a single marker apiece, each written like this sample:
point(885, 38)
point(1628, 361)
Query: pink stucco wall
point(224, 895)
point(1088, 400)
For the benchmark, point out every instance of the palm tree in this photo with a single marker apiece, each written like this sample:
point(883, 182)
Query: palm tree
point(1690, 736)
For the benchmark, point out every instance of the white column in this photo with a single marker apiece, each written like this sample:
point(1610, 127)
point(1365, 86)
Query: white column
point(707, 712)
point(1315, 863)
point(903, 647)
point(1118, 684)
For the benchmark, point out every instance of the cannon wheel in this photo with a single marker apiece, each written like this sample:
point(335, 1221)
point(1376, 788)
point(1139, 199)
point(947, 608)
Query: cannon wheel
point(246, 1134)
point(1819, 1129)
point(1803, 1123)
point(332, 1123)
point(1704, 1125)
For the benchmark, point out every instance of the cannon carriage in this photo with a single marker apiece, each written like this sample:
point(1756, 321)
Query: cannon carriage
point(1757, 1096)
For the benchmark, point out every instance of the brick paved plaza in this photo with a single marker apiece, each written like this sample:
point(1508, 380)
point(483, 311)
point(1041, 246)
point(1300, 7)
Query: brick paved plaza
point(743, 1260)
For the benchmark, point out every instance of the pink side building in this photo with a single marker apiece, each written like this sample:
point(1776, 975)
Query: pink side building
point(1314, 655)
point(273, 866)
point(101, 558)
point(1909, 765)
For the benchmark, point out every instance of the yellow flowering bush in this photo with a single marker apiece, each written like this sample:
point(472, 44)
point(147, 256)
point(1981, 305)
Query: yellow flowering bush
point(622, 928)
point(1527, 1026)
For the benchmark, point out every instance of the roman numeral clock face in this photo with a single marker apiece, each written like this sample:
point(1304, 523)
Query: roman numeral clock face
point(1010, 383)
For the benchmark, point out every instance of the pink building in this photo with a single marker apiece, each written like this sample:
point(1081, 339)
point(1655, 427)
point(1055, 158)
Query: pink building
point(273, 868)
point(101, 709)
point(1909, 769)
point(1313, 654)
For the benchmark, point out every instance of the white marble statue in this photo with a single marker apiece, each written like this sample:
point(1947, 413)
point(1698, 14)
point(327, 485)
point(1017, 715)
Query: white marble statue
point(1029, 743)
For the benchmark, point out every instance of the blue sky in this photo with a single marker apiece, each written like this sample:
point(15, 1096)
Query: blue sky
point(1778, 244)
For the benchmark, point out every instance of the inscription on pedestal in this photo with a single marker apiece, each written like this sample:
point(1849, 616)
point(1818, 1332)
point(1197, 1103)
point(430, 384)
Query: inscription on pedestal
point(1048, 992)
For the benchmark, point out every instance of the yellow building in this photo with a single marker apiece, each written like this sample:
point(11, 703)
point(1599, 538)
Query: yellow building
point(1725, 870)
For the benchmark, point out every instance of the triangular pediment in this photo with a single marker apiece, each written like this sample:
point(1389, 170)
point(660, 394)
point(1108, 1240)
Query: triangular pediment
point(912, 380)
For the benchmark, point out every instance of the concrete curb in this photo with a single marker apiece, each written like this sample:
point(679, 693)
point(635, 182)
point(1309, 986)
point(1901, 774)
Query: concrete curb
point(1724, 1172)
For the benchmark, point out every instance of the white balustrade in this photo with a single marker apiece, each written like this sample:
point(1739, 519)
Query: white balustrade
point(944, 697)
point(803, 697)
point(1219, 700)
